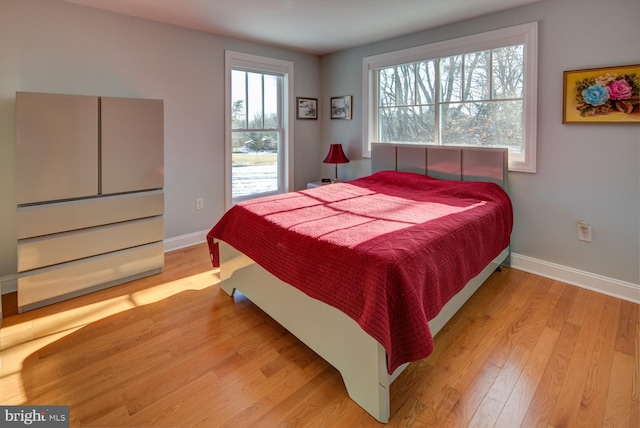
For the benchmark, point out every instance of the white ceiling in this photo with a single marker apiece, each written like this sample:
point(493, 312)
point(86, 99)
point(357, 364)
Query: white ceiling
point(312, 26)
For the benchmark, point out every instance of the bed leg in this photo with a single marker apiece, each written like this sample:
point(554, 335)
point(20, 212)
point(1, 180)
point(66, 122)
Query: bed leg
point(227, 289)
point(366, 379)
point(373, 398)
point(499, 269)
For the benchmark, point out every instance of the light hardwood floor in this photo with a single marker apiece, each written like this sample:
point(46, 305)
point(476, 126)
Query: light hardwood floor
point(173, 350)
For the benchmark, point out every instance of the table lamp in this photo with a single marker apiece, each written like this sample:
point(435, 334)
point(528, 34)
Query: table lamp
point(336, 156)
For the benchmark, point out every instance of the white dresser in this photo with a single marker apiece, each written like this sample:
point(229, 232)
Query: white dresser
point(90, 194)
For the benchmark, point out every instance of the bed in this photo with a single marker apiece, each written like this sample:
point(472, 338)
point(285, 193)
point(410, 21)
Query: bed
point(366, 272)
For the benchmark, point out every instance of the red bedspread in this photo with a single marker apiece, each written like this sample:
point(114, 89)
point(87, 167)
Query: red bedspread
point(389, 250)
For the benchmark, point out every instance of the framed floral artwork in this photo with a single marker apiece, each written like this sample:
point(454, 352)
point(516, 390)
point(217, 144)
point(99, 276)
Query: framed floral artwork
point(602, 95)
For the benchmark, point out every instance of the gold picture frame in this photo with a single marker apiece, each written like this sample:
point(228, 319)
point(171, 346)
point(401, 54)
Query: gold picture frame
point(602, 95)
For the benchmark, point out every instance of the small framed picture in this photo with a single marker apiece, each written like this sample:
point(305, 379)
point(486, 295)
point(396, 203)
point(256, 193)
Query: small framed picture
point(306, 108)
point(341, 107)
point(602, 95)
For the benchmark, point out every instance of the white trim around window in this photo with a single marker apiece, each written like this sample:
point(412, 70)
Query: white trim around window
point(261, 64)
point(525, 34)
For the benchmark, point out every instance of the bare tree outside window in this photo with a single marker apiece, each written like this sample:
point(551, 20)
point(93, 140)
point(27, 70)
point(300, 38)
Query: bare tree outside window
point(479, 101)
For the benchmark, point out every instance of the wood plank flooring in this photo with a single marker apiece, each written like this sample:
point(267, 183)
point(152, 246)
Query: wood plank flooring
point(173, 350)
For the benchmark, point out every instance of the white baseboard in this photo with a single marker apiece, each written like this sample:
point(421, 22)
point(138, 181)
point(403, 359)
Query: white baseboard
point(195, 238)
point(591, 281)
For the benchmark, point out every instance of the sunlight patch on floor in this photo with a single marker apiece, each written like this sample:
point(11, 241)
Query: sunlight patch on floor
point(155, 294)
point(22, 339)
point(11, 385)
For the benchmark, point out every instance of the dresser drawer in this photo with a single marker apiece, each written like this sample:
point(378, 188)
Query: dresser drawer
point(53, 284)
point(58, 248)
point(45, 219)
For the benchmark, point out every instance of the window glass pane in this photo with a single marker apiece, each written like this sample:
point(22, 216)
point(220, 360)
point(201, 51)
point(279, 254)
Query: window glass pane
point(407, 124)
point(254, 102)
point(426, 93)
point(254, 160)
point(476, 76)
point(397, 86)
point(238, 99)
point(386, 87)
point(451, 78)
point(271, 101)
point(508, 72)
point(488, 124)
point(405, 85)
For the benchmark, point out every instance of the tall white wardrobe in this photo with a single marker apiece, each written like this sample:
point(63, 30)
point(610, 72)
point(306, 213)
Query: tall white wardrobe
point(90, 194)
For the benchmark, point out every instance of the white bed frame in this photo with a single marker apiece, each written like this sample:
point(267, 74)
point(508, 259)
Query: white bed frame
point(359, 358)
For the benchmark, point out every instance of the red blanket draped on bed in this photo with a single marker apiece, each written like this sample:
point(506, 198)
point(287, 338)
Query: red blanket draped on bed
point(389, 250)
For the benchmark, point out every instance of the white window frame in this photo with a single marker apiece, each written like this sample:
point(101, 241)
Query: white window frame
point(525, 34)
point(260, 64)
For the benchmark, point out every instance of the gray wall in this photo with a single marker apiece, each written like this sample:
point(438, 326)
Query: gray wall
point(584, 172)
point(59, 47)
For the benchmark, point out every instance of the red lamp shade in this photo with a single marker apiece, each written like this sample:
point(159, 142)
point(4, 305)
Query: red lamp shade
point(336, 156)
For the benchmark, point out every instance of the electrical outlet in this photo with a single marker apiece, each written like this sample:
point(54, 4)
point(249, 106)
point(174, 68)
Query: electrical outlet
point(199, 204)
point(584, 231)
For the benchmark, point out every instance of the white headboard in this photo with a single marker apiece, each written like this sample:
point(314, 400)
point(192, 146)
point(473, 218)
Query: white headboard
point(444, 162)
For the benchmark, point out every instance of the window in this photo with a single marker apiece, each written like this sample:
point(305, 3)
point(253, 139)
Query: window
point(258, 135)
point(474, 91)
